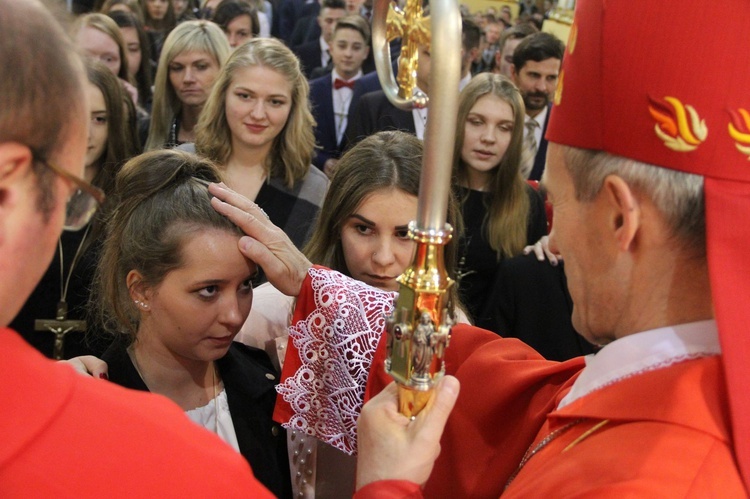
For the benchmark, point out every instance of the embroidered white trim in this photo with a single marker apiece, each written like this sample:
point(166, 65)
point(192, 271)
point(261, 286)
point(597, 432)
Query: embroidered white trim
point(336, 344)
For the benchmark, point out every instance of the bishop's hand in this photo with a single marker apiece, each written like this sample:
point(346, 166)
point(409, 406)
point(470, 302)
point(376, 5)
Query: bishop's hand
point(265, 244)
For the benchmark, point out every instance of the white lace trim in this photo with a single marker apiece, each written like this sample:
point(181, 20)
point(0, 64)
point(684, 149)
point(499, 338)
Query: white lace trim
point(336, 344)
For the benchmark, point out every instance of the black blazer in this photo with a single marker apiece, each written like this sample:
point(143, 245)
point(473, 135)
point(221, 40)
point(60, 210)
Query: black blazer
point(375, 113)
point(250, 382)
point(306, 30)
point(309, 56)
point(368, 83)
point(541, 152)
point(321, 100)
point(289, 11)
point(530, 301)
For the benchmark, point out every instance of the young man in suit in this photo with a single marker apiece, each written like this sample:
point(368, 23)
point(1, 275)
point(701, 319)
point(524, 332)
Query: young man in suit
point(315, 54)
point(331, 95)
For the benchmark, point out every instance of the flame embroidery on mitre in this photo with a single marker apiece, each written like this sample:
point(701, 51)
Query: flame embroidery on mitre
point(573, 38)
point(739, 130)
point(559, 89)
point(678, 125)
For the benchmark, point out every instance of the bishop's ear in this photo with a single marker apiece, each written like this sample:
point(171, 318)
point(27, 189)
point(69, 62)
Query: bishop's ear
point(623, 210)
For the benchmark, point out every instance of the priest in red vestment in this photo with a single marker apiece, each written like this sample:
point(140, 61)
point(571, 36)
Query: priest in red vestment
point(648, 172)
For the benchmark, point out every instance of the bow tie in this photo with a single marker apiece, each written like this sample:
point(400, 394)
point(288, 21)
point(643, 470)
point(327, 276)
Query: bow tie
point(339, 83)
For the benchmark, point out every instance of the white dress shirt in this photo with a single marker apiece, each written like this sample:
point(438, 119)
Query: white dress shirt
point(641, 352)
point(342, 99)
point(325, 55)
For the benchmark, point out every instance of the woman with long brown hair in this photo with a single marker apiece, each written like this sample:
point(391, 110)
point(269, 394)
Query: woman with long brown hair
point(501, 212)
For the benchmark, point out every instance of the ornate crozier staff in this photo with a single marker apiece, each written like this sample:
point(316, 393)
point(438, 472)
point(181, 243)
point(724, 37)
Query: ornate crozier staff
point(419, 328)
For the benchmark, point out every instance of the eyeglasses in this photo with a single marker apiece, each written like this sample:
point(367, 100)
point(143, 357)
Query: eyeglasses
point(82, 204)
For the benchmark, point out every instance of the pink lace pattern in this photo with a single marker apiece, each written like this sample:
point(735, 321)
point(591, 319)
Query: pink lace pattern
point(336, 344)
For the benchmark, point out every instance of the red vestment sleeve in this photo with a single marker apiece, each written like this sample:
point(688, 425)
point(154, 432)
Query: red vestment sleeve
point(389, 489)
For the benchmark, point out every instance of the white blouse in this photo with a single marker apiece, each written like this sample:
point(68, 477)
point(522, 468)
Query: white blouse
point(206, 417)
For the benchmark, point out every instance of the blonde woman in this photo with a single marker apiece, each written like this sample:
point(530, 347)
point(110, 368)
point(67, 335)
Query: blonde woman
point(193, 54)
point(258, 126)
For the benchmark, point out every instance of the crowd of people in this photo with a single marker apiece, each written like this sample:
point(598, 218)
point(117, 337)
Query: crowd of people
point(236, 189)
point(276, 100)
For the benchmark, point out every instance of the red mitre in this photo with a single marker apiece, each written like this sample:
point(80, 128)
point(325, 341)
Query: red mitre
point(667, 82)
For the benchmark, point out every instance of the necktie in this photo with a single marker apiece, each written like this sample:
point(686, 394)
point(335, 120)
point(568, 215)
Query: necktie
point(339, 83)
point(528, 152)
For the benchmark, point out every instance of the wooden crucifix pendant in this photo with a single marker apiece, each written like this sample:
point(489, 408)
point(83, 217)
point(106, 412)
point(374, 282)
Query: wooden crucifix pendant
point(59, 326)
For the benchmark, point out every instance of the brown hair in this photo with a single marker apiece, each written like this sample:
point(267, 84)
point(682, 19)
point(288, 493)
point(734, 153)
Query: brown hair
point(229, 10)
point(162, 197)
point(508, 211)
point(167, 24)
point(355, 22)
point(144, 76)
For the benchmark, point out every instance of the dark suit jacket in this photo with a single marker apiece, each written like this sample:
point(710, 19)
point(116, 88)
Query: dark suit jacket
point(530, 301)
point(309, 56)
point(321, 100)
point(289, 12)
point(306, 29)
point(541, 152)
point(251, 395)
point(321, 71)
point(368, 83)
point(375, 113)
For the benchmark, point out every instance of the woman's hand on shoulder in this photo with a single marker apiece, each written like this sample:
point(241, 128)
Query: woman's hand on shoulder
point(541, 250)
point(131, 90)
point(267, 245)
point(88, 365)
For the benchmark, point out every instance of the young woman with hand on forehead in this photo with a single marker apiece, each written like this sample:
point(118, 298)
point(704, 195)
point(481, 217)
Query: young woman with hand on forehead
point(174, 289)
point(357, 237)
point(258, 127)
point(501, 212)
point(193, 54)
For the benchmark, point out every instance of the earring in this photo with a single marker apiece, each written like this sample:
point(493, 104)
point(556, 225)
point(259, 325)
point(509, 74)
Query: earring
point(141, 304)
